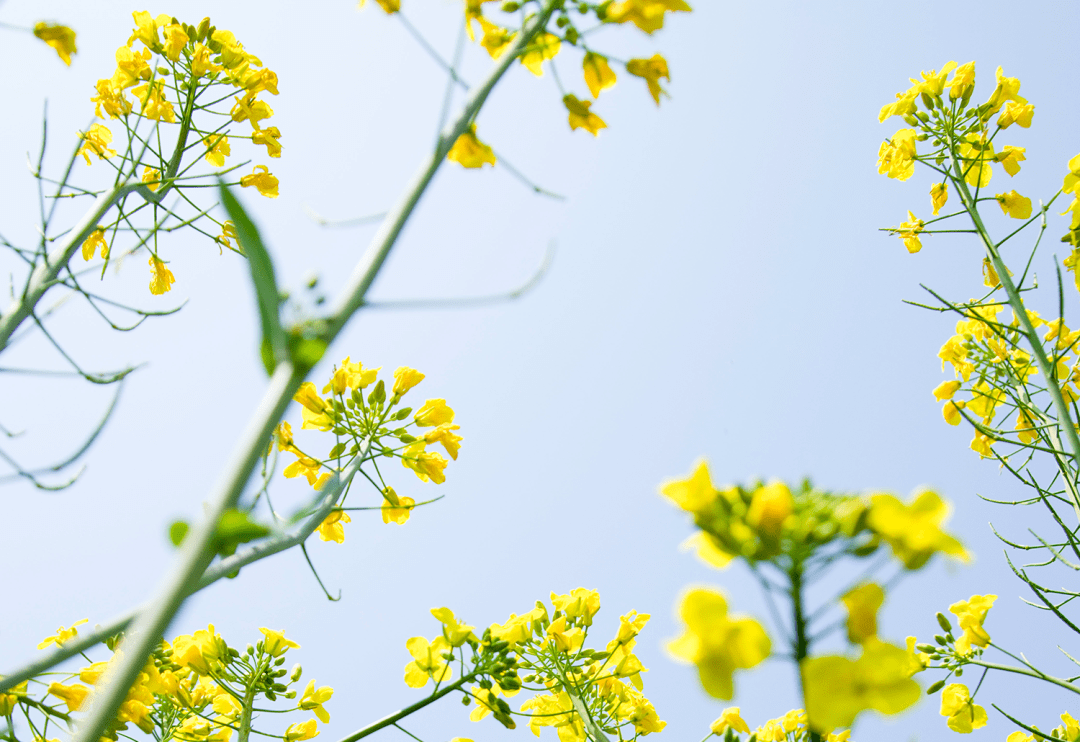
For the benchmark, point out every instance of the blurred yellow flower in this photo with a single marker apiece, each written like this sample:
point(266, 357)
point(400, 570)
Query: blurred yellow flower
point(716, 643)
point(470, 152)
point(913, 530)
point(838, 689)
point(862, 604)
point(60, 38)
point(598, 73)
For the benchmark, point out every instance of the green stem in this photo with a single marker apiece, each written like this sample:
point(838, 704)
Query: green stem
point(1020, 312)
point(396, 717)
point(800, 648)
point(245, 714)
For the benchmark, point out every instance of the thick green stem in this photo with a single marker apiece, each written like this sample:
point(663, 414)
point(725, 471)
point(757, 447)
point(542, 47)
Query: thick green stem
point(1065, 421)
point(800, 648)
point(396, 717)
point(245, 714)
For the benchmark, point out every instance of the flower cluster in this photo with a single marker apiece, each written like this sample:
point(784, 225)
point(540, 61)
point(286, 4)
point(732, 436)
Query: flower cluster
point(202, 81)
point(361, 424)
point(575, 689)
point(791, 727)
point(195, 689)
point(999, 377)
point(497, 34)
point(766, 521)
point(965, 146)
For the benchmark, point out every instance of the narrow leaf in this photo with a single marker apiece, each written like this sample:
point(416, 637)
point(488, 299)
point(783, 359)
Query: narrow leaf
point(262, 276)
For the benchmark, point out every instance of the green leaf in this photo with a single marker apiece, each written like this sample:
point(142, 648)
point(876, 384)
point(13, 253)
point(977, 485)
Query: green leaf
point(262, 276)
point(236, 528)
point(177, 531)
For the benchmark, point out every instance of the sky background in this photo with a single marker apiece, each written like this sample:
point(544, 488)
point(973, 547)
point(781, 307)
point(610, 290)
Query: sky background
point(719, 289)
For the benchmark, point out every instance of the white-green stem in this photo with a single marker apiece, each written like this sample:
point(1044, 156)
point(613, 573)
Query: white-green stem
point(196, 552)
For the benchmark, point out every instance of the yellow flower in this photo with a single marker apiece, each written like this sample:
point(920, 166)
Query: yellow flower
point(9, 700)
point(693, 494)
point(706, 547)
point(72, 695)
point(428, 661)
point(598, 73)
point(333, 527)
point(964, 716)
point(251, 110)
point(971, 613)
point(946, 390)
point(434, 412)
point(913, 530)
point(200, 61)
point(1025, 429)
point(301, 731)
point(904, 105)
point(1007, 90)
point(111, 99)
point(838, 688)
point(394, 508)
point(909, 232)
point(426, 464)
point(770, 505)
point(651, 70)
point(60, 38)
point(1014, 205)
point(717, 644)
point(217, 148)
point(470, 152)
point(405, 378)
point(1016, 113)
point(1010, 158)
point(268, 136)
point(578, 603)
point(445, 436)
point(496, 38)
point(939, 194)
point(264, 181)
point(95, 240)
point(313, 700)
point(951, 411)
point(389, 6)
point(162, 278)
point(351, 376)
point(983, 445)
point(276, 643)
point(151, 177)
point(175, 40)
point(895, 157)
point(151, 97)
point(456, 632)
point(228, 233)
point(648, 15)
point(1073, 177)
point(976, 154)
point(933, 82)
point(862, 605)
point(963, 81)
point(96, 140)
point(131, 67)
point(541, 49)
point(580, 115)
point(729, 719)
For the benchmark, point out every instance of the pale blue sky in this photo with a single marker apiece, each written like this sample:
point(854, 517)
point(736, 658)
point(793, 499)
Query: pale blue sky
point(719, 290)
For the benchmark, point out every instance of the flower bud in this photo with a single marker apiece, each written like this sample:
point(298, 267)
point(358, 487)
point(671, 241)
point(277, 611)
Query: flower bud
point(297, 671)
point(935, 687)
